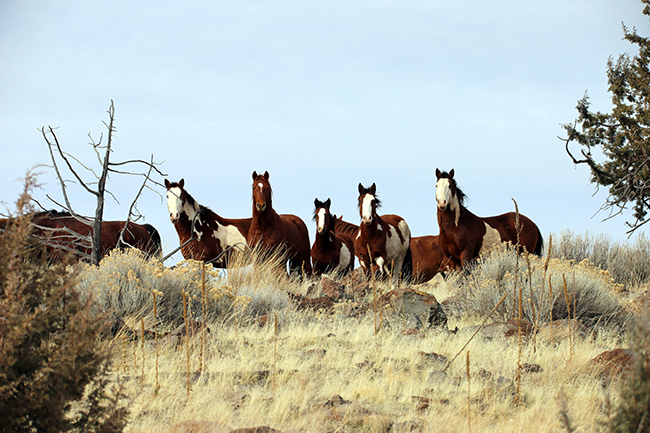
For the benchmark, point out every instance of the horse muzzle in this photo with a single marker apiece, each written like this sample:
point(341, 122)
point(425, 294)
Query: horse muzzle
point(320, 230)
point(442, 205)
point(261, 207)
point(366, 221)
point(174, 218)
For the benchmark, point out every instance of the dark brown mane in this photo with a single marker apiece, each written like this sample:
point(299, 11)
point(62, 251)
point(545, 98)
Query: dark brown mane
point(459, 192)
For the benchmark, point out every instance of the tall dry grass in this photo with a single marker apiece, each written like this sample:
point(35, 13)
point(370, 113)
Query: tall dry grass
point(284, 374)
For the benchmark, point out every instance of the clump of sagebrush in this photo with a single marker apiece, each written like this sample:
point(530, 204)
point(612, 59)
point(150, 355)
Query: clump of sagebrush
point(633, 411)
point(628, 263)
point(125, 281)
point(551, 288)
point(53, 373)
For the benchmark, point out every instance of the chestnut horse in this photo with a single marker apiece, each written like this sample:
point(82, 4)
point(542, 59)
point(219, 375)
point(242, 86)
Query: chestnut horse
point(385, 237)
point(426, 257)
point(331, 251)
point(60, 231)
point(203, 234)
point(272, 231)
point(463, 235)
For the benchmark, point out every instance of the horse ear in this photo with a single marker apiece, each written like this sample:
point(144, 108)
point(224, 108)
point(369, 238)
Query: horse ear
point(167, 184)
point(317, 203)
point(373, 189)
point(361, 188)
point(328, 203)
point(438, 174)
point(451, 174)
point(266, 175)
point(255, 175)
point(181, 183)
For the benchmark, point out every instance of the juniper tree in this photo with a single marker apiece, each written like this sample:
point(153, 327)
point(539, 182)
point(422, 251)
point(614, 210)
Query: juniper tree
point(621, 136)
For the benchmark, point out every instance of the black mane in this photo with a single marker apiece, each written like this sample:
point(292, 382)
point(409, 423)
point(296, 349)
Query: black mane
point(459, 192)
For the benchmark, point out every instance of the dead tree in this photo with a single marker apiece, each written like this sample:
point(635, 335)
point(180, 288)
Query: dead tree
point(103, 154)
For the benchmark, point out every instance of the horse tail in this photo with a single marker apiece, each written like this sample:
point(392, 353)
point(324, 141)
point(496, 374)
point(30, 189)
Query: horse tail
point(407, 265)
point(540, 243)
point(155, 239)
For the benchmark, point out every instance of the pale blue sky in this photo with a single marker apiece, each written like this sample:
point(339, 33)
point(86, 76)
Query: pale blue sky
point(323, 95)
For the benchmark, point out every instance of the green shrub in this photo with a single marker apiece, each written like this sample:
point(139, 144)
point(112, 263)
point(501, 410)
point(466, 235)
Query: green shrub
point(53, 374)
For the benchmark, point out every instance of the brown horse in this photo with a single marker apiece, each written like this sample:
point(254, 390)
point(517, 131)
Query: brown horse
point(426, 257)
point(60, 231)
point(385, 237)
point(331, 251)
point(272, 231)
point(203, 234)
point(463, 235)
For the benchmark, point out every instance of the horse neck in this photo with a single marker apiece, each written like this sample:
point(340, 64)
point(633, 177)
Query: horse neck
point(324, 240)
point(454, 216)
point(265, 220)
point(373, 227)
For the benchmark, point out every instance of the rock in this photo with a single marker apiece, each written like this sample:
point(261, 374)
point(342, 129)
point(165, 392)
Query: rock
point(332, 289)
point(337, 400)
point(424, 307)
point(612, 363)
point(438, 377)
point(198, 427)
point(434, 357)
point(356, 284)
point(531, 368)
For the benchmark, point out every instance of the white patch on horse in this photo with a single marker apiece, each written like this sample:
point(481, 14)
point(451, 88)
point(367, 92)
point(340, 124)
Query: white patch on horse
point(261, 185)
point(366, 208)
point(445, 199)
point(320, 220)
point(228, 236)
point(396, 248)
point(358, 234)
point(344, 256)
point(380, 263)
point(174, 203)
point(490, 239)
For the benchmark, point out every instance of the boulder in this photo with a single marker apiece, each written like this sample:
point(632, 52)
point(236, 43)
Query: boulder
point(612, 363)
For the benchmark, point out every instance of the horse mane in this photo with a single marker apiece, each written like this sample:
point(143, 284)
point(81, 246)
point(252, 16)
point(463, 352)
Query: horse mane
point(51, 214)
point(459, 192)
point(367, 191)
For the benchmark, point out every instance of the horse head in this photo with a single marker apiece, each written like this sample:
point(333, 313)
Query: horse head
point(322, 215)
point(262, 192)
point(368, 203)
point(179, 201)
point(447, 192)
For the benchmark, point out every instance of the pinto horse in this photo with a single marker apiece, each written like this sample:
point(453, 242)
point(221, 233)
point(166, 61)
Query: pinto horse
point(272, 231)
point(463, 235)
point(385, 237)
point(331, 251)
point(60, 231)
point(203, 234)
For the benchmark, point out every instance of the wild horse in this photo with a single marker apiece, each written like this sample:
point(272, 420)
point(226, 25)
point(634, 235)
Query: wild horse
point(332, 251)
point(463, 235)
point(271, 231)
point(381, 240)
point(203, 234)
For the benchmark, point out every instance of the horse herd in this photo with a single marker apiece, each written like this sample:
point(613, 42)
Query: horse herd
point(381, 243)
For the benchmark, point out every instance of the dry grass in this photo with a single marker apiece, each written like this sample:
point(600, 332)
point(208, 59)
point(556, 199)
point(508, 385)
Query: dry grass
point(245, 375)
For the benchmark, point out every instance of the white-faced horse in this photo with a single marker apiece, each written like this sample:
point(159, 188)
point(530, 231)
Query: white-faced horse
point(381, 240)
point(204, 234)
point(463, 235)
